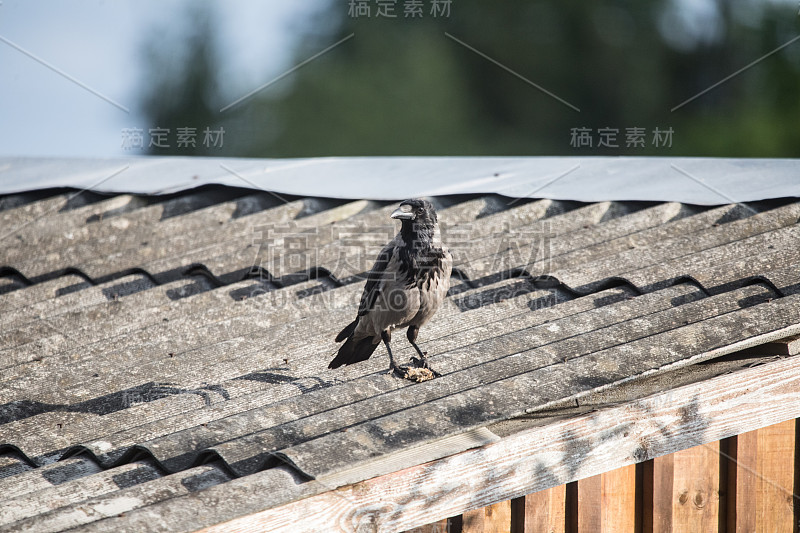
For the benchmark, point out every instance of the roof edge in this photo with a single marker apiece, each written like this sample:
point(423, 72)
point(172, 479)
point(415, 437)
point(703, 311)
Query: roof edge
point(704, 181)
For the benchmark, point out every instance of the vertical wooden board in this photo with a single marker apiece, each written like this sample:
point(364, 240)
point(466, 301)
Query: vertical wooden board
point(796, 489)
point(695, 489)
point(498, 518)
point(540, 512)
point(490, 519)
point(618, 500)
point(723, 497)
point(587, 508)
point(742, 463)
point(657, 495)
point(775, 477)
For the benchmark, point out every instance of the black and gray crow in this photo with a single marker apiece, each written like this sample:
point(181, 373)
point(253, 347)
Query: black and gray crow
point(409, 280)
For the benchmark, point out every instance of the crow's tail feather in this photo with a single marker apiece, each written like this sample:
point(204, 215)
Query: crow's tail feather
point(347, 331)
point(353, 351)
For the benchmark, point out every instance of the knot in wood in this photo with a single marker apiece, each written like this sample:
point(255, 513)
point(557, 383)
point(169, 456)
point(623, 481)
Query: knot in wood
point(699, 500)
point(640, 453)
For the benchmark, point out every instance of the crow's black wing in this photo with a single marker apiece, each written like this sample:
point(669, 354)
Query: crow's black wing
point(371, 290)
point(374, 277)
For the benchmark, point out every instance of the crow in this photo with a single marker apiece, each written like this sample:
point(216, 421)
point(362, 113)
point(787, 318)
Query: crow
point(409, 280)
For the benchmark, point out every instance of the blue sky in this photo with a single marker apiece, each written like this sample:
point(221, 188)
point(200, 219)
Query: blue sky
point(99, 43)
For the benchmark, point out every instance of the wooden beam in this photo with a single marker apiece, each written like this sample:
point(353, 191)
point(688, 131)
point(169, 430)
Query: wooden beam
point(545, 456)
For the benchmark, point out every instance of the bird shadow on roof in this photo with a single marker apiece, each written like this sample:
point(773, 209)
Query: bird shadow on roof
point(276, 376)
point(108, 403)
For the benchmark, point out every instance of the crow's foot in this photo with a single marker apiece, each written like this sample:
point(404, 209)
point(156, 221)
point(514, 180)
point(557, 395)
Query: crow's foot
point(412, 373)
point(422, 362)
point(397, 370)
point(419, 370)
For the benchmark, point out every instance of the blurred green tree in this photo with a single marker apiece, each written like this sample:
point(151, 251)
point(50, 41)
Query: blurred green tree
point(424, 86)
point(182, 87)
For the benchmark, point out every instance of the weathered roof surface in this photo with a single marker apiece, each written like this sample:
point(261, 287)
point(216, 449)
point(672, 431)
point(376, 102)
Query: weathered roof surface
point(154, 350)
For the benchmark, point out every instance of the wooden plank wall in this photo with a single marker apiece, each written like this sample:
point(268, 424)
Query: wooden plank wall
point(742, 484)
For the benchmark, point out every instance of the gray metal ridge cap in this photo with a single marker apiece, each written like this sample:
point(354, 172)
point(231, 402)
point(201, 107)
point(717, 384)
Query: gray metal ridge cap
point(704, 181)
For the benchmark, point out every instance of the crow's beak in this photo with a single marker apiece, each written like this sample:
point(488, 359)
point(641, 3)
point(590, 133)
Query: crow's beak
point(401, 214)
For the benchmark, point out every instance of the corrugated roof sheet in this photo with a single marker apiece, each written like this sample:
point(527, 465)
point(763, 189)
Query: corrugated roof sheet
point(154, 350)
point(696, 180)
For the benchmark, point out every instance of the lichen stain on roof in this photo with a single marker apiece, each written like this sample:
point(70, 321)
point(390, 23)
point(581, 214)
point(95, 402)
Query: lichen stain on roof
point(156, 348)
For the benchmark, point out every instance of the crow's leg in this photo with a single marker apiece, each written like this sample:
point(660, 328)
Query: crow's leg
point(412, 333)
point(423, 356)
point(386, 336)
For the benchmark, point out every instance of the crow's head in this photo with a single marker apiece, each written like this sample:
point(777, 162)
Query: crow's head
point(416, 210)
point(419, 229)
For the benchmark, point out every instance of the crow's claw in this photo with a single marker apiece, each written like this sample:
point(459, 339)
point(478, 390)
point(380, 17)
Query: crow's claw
point(423, 363)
